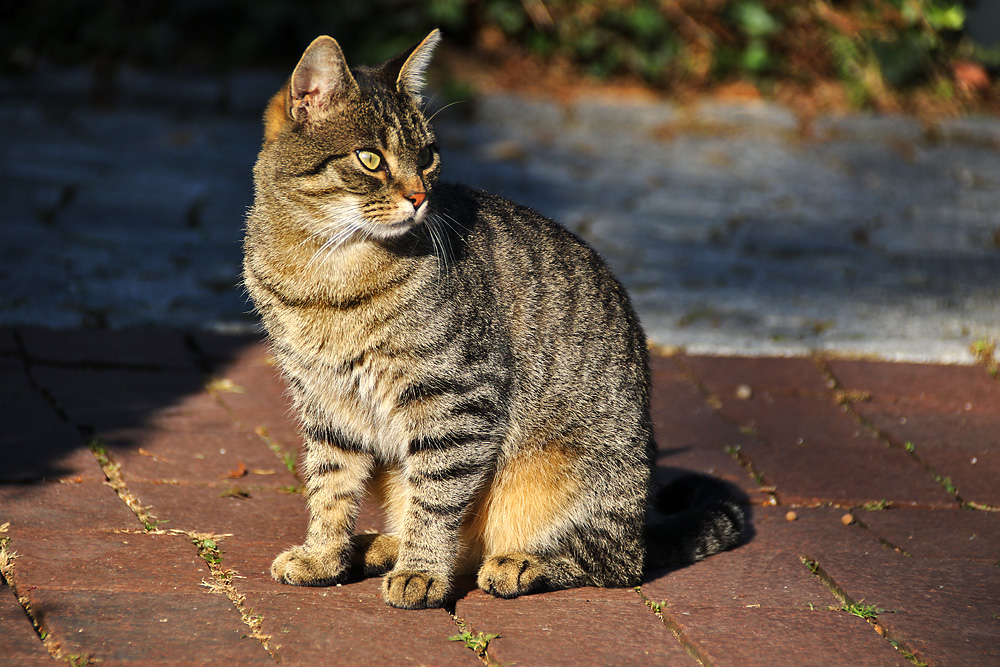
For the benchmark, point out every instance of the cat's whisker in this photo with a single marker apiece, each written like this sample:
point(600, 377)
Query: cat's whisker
point(443, 108)
point(440, 244)
point(429, 101)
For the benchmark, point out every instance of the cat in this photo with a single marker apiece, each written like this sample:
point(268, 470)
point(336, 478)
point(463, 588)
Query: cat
point(469, 362)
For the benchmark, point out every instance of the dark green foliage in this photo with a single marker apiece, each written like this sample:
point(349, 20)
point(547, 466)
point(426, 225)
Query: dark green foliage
point(873, 47)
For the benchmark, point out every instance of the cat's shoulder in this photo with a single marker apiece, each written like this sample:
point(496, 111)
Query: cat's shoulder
point(486, 209)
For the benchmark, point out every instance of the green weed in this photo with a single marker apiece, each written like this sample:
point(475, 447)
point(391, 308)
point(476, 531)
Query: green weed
point(876, 506)
point(208, 549)
point(477, 643)
point(869, 612)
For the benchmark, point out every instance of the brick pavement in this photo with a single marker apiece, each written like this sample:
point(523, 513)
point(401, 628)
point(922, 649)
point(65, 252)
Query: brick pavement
point(145, 490)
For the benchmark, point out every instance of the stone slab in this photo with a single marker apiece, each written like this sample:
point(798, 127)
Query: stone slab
point(128, 597)
point(945, 613)
point(583, 626)
point(780, 638)
point(221, 350)
point(215, 509)
point(946, 414)
point(759, 605)
point(788, 375)
point(262, 403)
point(945, 534)
point(219, 454)
point(119, 562)
point(19, 643)
point(148, 628)
point(106, 399)
point(690, 435)
point(890, 382)
point(158, 348)
point(767, 570)
point(352, 625)
point(37, 443)
point(813, 453)
point(8, 343)
point(54, 506)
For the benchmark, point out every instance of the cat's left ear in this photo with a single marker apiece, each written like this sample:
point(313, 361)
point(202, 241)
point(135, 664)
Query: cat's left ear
point(411, 78)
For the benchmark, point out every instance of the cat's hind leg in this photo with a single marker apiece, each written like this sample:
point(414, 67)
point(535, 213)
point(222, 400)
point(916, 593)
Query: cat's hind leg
point(543, 528)
point(374, 554)
point(513, 574)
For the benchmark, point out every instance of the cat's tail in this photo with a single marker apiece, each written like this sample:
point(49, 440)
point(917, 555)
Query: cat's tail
point(692, 518)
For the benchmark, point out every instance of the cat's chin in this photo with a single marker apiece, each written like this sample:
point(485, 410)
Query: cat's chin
point(388, 232)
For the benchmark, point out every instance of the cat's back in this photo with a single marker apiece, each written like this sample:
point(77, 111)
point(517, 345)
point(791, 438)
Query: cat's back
point(573, 333)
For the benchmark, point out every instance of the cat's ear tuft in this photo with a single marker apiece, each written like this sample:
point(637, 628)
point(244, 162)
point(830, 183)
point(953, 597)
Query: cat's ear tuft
point(411, 78)
point(320, 77)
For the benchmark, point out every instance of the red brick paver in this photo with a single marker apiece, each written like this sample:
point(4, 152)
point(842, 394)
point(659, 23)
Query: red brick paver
point(122, 450)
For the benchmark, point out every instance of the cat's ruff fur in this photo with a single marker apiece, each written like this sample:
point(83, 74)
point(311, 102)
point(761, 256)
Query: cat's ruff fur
point(473, 364)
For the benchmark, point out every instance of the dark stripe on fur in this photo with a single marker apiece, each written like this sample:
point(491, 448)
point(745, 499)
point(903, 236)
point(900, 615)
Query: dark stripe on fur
point(440, 443)
point(331, 435)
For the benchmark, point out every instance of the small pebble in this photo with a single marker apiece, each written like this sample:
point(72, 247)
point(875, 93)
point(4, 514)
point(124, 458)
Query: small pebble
point(744, 392)
point(791, 516)
point(847, 519)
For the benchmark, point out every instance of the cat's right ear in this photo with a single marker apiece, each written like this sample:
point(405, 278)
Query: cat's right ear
point(319, 79)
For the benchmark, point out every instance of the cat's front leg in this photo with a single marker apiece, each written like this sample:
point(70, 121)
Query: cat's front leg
point(335, 483)
point(443, 479)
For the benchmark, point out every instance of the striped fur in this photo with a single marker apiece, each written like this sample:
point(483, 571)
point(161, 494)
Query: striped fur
point(471, 363)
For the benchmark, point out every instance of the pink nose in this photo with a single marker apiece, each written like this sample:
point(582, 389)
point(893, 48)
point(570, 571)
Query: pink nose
point(417, 198)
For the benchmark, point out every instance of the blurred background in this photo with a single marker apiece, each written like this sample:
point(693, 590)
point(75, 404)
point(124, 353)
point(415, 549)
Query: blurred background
point(883, 54)
point(766, 176)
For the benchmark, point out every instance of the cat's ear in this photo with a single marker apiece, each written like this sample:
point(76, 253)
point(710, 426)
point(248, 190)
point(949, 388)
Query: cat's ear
point(411, 78)
point(320, 77)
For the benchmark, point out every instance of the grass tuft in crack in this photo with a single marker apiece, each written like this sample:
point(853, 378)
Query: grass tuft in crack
point(222, 582)
point(7, 558)
point(285, 456)
point(113, 475)
point(868, 612)
point(478, 642)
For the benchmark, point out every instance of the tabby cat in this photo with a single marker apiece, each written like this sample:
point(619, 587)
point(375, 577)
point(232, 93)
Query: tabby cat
point(472, 364)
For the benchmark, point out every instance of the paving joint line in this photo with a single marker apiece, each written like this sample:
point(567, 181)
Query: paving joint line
point(689, 646)
point(733, 451)
point(883, 541)
point(7, 575)
point(478, 643)
point(848, 603)
point(846, 400)
point(222, 582)
point(217, 386)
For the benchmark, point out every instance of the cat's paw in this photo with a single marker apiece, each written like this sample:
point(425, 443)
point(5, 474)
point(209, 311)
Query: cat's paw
point(304, 567)
point(511, 575)
point(407, 589)
point(374, 554)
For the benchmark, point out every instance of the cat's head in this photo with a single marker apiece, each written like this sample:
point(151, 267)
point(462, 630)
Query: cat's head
point(350, 148)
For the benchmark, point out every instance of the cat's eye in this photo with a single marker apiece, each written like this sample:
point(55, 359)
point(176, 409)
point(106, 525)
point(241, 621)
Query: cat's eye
point(425, 157)
point(369, 159)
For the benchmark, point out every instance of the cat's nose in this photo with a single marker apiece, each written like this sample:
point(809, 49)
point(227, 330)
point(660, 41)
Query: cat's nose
point(416, 198)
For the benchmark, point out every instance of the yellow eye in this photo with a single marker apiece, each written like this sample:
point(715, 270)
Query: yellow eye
point(369, 159)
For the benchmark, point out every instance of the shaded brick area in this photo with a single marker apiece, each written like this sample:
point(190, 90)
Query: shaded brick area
point(193, 432)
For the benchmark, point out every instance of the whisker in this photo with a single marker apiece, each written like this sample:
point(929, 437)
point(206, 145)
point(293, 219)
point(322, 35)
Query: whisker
point(443, 108)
